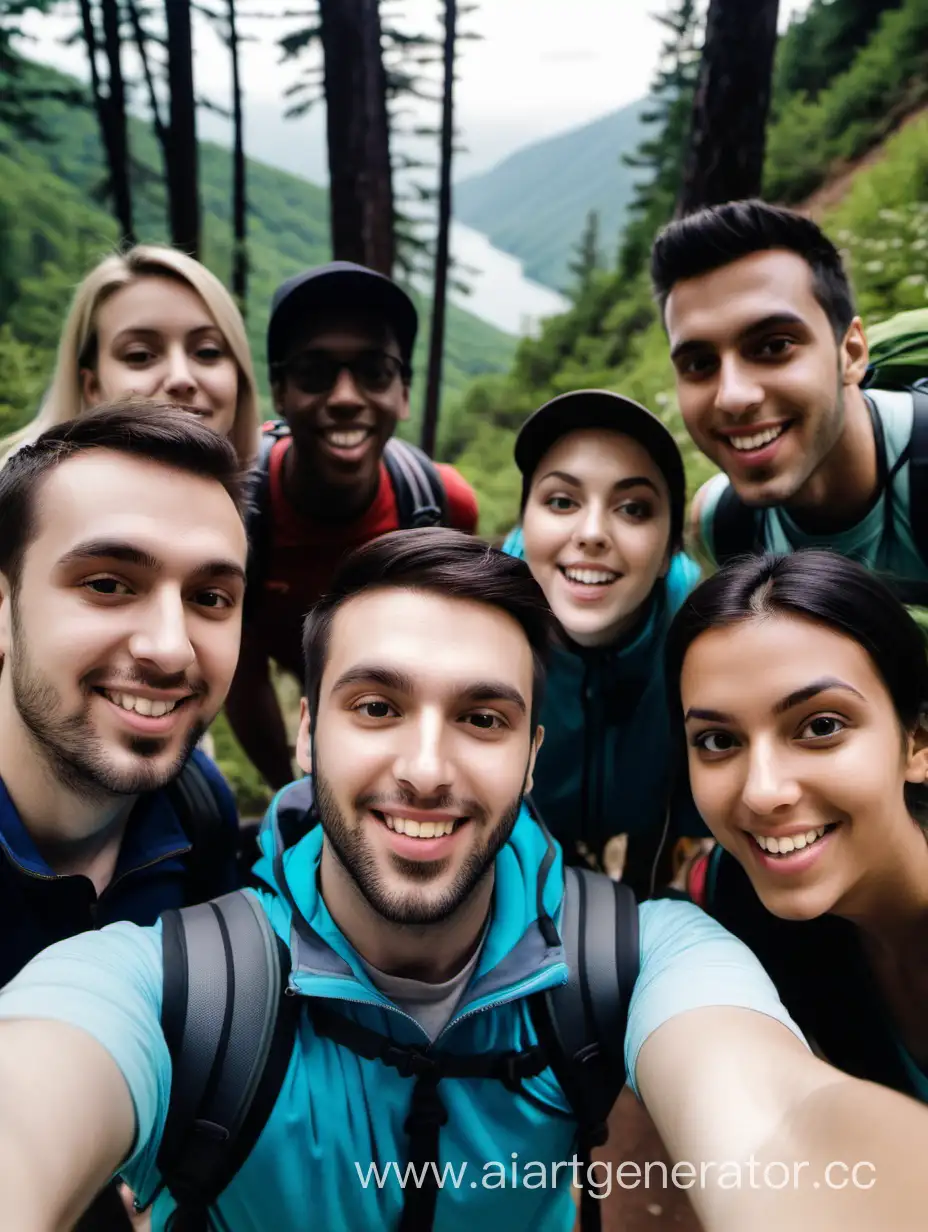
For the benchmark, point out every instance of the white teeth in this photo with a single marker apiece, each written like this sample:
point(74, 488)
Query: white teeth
point(591, 577)
point(783, 846)
point(141, 705)
point(348, 439)
point(759, 439)
point(418, 829)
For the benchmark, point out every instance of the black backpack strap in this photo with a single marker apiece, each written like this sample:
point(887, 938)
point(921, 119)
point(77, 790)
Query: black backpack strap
point(420, 494)
point(230, 1029)
point(734, 528)
point(581, 1024)
point(212, 842)
point(258, 515)
point(918, 469)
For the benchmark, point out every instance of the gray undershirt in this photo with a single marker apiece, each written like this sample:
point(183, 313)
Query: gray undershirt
point(432, 1005)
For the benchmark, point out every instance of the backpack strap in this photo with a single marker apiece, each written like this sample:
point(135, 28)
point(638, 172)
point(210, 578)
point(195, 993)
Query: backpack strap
point(420, 494)
point(212, 842)
point(582, 1023)
point(258, 514)
point(735, 530)
point(918, 469)
point(230, 1031)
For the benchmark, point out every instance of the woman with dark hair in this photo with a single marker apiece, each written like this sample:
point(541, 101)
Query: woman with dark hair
point(603, 495)
point(801, 684)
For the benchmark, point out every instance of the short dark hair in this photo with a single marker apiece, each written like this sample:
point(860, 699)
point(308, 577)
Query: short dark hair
point(156, 432)
point(442, 562)
point(831, 590)
point(711, 238)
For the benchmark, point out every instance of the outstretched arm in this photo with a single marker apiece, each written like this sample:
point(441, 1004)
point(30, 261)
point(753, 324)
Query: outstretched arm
point(66, 1125)
point(767, 1133)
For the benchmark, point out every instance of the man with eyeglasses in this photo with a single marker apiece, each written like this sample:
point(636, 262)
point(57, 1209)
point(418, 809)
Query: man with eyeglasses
point(339, 348)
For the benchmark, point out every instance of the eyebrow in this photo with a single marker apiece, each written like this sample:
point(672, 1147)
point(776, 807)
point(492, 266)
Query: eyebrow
point(128, 554)
point(756, 327)
point(142, 331)
point(402, 682)
point(621, 485)
point(796, 698)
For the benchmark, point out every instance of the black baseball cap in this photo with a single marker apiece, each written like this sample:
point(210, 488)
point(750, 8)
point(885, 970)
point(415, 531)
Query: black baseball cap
point(340, 286)
point(601, 408)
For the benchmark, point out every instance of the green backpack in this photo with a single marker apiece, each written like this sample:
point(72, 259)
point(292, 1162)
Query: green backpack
point(899, 351)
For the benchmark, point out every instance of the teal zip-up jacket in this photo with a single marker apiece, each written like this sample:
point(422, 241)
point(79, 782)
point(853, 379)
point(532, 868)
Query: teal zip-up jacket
point(605, 767)
point(338, 1115)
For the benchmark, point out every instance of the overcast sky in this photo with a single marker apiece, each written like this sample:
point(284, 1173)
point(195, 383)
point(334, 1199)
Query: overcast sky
point(542, 66)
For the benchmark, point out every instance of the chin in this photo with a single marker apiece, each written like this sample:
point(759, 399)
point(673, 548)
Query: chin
point(796, 906)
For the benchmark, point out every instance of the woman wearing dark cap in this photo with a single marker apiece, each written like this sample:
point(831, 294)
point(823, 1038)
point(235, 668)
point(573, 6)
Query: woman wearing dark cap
point(601, 529)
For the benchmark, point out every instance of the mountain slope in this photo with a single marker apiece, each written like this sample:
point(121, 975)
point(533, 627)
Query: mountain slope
point(56, 228)
point(534, 203)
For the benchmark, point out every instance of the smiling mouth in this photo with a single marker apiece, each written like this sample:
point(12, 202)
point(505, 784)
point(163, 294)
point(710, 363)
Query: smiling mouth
point(757, 440)
point(149, 707)
point(419, 829)
point(346, 438)
point(787, 846)
point(589, 576)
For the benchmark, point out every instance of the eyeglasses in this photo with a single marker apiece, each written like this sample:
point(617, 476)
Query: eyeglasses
point(317, 371)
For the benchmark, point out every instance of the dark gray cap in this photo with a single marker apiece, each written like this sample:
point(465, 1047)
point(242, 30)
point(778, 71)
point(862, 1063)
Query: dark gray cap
point(340, 286)
point(601, 408)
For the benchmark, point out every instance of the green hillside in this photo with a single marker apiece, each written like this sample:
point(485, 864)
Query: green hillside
point(534, 203)
point(56, 226)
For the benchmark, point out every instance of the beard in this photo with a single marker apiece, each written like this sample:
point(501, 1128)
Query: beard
point(407, 906)
point(71, 748)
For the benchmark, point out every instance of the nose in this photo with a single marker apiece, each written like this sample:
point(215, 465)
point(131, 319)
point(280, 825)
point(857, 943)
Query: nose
point(422, 767)
point(770, 786)
point(161, 640)
point(737, 391)
point(590, 528)
point(345, 393)
point(180, 383)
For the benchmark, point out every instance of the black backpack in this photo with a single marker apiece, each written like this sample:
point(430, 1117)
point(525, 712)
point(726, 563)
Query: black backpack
point(230, 1028)
point(212, 843)
point(738, 530)
point(420, 498)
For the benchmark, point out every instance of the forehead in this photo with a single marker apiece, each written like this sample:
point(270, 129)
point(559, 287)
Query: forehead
point(724, 301)
point(153, 300)
point(754, 663)
point(599, 454)
point(443, 644)
point(183, 520)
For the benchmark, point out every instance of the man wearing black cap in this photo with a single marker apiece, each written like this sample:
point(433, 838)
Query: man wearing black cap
point(331, 476)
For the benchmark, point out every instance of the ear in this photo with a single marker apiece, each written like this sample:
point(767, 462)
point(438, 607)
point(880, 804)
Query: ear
point(6, 610)
point(537, 742)
point(855, 354)
point(916, 770)
point(303, 755)
point(90, 387)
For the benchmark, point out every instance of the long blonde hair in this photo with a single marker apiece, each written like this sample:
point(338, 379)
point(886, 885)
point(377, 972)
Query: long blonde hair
point(77, 348)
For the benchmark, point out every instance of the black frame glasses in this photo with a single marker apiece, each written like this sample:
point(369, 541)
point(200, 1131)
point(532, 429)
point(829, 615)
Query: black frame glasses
point(316, 371)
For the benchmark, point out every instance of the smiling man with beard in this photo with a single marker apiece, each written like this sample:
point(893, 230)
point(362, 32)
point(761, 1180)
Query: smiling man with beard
point(122, 554)
point(339, 349)
point(772, 368)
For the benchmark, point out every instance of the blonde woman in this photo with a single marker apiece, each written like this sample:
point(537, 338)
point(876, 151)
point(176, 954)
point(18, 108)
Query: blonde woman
point(155, 323)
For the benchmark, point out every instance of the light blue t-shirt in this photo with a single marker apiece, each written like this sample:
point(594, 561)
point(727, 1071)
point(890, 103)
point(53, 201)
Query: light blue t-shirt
point(301, 1173)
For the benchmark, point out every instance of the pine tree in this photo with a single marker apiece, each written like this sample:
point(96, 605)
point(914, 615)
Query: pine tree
point(588, 257)
point(660, 158)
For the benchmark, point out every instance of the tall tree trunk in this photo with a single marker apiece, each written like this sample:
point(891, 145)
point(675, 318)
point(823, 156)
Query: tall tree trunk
point(442, 245)
point(115, 146)
point(360, 174)
point(725, 159)
point(116, 111)
point(239, 199)
point(141, 46)
point(183, 195)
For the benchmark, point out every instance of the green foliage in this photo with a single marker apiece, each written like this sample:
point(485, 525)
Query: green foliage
point(888, 77)
point(823, 41)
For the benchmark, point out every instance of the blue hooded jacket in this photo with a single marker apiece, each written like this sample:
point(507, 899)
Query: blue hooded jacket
point(605, 765)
